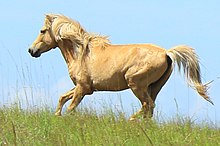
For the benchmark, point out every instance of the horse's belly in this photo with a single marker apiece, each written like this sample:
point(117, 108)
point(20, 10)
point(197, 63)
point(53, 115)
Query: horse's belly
point(114, 83)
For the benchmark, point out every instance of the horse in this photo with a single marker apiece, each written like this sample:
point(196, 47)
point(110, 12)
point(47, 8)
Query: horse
point(94, 64)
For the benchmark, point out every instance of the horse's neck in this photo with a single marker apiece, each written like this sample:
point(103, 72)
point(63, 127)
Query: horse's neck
point(71, 55)
point(76, 65)
point(68, 54)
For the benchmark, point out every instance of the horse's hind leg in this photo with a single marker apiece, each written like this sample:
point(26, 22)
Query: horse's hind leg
point(63, 99)
point(155, 87)
point(138, 85)
point(146, 101)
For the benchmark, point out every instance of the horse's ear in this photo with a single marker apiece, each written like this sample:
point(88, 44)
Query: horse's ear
point(49, 17)
point(48, 20)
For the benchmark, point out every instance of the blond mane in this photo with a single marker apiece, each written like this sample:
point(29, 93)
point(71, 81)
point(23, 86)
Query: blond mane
point(65, 28)
point(100, 41)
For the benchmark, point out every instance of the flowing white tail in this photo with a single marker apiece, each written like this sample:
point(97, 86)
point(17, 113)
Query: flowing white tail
point(186, 58)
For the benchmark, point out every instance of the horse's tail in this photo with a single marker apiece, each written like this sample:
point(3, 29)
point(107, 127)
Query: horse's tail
point(186, 57)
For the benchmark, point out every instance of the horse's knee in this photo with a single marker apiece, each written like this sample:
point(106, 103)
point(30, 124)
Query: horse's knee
point(61, 99)
point(74, 103)
point(65, 97)
point(79, 93)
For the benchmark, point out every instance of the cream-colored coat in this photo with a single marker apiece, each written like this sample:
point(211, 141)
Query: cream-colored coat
point(96, 65)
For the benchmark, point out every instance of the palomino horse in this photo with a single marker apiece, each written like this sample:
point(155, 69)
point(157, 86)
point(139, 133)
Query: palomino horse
point(96, 65)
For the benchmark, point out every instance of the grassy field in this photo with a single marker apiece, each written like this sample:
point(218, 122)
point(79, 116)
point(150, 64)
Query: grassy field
point(84, 127)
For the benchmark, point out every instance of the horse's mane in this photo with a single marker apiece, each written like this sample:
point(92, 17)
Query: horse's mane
point(65, 28)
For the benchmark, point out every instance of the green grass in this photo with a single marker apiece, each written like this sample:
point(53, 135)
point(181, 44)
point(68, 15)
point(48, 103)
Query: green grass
point(41, 127)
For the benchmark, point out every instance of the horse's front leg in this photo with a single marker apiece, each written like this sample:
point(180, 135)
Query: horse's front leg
point(79, 93)
point(63, 99)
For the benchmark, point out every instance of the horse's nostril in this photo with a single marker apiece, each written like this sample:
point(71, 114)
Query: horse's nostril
point(34, 53)
point(30, 51)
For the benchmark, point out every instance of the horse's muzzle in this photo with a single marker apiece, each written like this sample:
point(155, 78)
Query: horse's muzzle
point(34, 53)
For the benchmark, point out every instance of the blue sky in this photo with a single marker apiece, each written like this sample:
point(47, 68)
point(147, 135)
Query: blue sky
point(165, 23)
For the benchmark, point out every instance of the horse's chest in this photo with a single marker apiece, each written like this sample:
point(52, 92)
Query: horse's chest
point(78, 74)
point(73, 73)
point(72, 76)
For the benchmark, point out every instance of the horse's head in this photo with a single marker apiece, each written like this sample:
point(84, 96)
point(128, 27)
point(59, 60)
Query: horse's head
point(60, 31)
point(45, 40)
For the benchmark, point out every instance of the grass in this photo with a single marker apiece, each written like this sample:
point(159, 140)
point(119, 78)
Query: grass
point(84, 127)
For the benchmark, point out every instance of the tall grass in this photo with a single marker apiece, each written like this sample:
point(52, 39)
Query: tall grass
point(85, 127)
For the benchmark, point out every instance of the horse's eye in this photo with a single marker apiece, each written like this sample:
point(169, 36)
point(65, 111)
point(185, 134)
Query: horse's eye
point(43, 31)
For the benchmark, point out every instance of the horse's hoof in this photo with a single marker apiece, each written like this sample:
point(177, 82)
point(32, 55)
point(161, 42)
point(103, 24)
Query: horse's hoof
point(57, 114)
point(132, 119)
